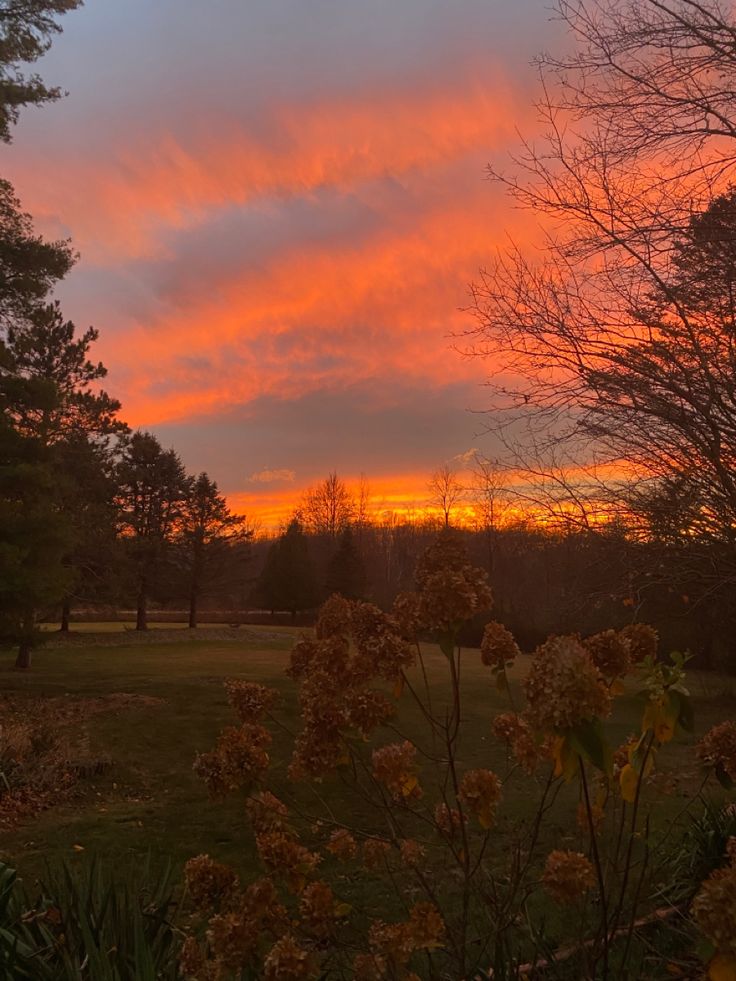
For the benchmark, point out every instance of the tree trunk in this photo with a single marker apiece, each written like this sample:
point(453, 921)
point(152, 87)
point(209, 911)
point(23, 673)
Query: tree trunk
point(66, 609)
point(23, 661)
point(193, 609)
point(141, 619)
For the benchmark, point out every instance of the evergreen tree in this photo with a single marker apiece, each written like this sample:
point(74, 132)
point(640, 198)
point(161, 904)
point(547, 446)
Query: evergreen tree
point(34, 535)
point(26, 29)
point(152, 488)
point(209, 540)
point(346, 571)
point(287, 581)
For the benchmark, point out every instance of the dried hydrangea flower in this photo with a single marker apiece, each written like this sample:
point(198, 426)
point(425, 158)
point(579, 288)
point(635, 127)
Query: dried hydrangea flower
point(567, 876)
point(288, 961)
point(406, 615)
point(233, 939)
point(717, 748)
point(375, 851)
point(239, 757)
point(498, 649)
point(192, 961)
point(643, 641)
point(282, 854)
point(394, 766)
point(451, 590)
point(714, 909)
point(411, 852)
point(342, 845)
point(266, 812)
point(448, 819)
point(514, 730)
point(210, 884)
point(318, 910)
point(369, 967)
point(564, 687)
point(250, 699)
point(610, 651)
point(480, 792)
point(334, 618)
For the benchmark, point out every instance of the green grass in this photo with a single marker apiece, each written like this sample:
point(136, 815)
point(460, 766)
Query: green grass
point(150, 800)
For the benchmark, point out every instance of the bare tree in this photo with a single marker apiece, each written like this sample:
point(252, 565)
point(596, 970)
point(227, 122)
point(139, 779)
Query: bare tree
point(615, 350)
point(445, 491)
point(329, 507)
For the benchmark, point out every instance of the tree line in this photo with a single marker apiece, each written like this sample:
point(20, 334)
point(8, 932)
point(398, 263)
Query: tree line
point(89, 510)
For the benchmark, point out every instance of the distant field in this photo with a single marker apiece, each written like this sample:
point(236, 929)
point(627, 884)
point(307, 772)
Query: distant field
point(150, 800)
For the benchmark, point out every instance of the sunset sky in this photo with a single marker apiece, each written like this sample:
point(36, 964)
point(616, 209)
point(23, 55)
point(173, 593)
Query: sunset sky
point(279, 206)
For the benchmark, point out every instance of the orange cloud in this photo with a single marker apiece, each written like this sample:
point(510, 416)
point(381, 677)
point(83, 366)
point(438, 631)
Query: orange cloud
point(117, 199)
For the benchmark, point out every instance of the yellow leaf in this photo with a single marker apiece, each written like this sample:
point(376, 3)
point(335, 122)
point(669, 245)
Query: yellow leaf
point(408, 783)
point(78, 848)
point(565, 758)
point(722, 968)
point(628, 780)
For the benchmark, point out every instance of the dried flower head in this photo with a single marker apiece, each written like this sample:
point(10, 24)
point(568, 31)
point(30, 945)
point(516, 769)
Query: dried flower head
point(192, 961)
point(266, 812)
point(369, 967)
point(342, 845)
point(714, 909)
point(448, 819)
point(375, 852)
point(718, 748)
point(334, 618)
point(411, 852)
point(426, 927)
point(394, 767)
point(282, 854)
point(643, 641)
point(233, 939)
point(610, 651)
point(480, 792)
point(210, 884)
point(564, 687)
point(318, 910)
point(567, 876)
point(239, 757)
point(451, 591)
point(383, 652)
point(304, 654)
point(406, 615)
point(498, 649)
point(249, 699)
point(288, 961)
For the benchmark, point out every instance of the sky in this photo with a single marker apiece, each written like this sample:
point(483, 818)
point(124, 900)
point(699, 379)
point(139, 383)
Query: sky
point(279, 207)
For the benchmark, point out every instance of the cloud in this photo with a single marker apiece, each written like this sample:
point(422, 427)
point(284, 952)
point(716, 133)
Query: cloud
point(277, 236)
point(272, 476)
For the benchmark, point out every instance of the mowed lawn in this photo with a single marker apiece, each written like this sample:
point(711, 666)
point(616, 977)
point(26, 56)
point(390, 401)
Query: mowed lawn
point(149, 801)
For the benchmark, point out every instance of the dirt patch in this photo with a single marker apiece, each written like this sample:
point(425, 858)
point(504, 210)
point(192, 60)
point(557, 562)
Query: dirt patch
point(46, 750)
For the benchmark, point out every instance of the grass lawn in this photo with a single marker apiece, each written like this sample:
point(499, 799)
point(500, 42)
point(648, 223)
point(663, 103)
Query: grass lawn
point(149, 800)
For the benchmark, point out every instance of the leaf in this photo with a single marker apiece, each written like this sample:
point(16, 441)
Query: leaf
point(722, 968)
point(588, 738)
point(565, 758)
point(408, 784)
point(629, 780)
